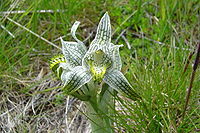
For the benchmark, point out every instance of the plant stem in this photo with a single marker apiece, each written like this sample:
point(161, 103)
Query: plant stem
point(196, 63)
point(188, 61)
point(100, 123)
point(99, 112)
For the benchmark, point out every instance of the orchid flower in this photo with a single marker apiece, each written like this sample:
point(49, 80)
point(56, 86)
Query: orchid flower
point(100, 63)
point(83, 71)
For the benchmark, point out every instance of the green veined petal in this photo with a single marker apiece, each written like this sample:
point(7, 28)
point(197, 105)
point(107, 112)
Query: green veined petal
point(73, 52)
point(116, 80)
point(104, 29)
point(117, 64)
point(103, 35)
point(113, 52)
point(73, 32)
point(64, 76)
point(74, 79)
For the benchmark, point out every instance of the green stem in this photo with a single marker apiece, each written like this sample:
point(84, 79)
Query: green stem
point(98, 111)
point(100, 123)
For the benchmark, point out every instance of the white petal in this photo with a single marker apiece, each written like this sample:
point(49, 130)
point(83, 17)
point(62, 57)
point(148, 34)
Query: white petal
point(73, 32)
point(75, 79)
point(104, 29)
point(103, 35)
point(117, 63)
point(73, 52)
point(117, 81)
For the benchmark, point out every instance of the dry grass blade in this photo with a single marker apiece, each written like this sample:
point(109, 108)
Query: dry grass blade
point(4, 28)
point(127, 43)
point(160, 43)
point(188, 61)
point(42, 38)
point(23, 11)
point(196, 63)
point(124, 22)
point(39, 113)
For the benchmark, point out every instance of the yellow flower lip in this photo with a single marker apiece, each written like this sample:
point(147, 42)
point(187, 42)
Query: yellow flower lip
point(98, 73)
point(99, 62)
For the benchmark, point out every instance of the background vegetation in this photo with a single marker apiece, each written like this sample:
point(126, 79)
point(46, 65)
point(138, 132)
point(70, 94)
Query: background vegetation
point(158, 36)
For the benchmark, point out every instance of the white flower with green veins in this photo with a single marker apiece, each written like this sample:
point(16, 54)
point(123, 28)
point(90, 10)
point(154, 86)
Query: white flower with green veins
point(100, 63)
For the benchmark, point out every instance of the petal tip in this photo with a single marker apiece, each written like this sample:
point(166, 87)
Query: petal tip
point(61, 39)
point(77, 22)
point(106, 16)
point(121, 45)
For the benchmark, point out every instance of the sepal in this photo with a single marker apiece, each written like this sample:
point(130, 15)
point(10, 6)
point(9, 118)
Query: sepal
point(75, 79)
point(73, 52)
point(117, 81)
